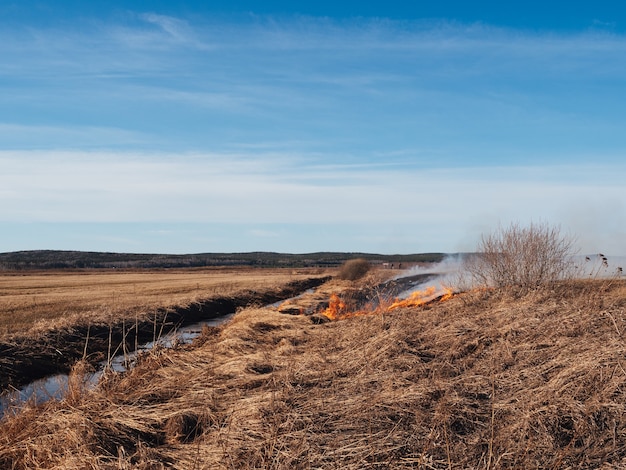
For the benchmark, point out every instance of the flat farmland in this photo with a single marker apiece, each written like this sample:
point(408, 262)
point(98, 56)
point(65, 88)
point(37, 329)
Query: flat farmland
point(32, 302)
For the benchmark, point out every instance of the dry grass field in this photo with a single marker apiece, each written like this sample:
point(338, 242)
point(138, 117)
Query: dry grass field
point(489, 379)
point(48, 321)
point(36, 301)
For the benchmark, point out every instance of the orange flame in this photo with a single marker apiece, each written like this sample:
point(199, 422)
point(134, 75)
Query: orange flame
point(419, 298)
point(416, 299)
point(337, 309)
point(448, 293)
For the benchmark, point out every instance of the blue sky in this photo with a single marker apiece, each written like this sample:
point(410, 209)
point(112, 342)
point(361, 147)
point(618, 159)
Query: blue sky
point(185, 127)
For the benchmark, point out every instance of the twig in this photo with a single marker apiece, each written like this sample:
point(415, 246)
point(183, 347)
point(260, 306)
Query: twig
point(493, 415)
point(445, 434)
point(124, 333)
point(614, 323)
point(109, 349)
point(86, 341)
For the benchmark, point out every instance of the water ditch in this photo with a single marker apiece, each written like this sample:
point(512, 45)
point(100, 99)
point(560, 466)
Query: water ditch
point(55, 387)
point(37, 369)
point(177, 326)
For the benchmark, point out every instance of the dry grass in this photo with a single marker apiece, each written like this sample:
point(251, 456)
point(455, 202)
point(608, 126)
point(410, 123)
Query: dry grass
point(485, 380)
point(49, 300)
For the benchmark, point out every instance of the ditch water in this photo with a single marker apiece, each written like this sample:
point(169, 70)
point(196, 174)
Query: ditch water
point(213, 312)
point(55, 387)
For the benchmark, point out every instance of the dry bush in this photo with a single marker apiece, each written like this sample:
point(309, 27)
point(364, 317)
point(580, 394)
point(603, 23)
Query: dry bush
point(523, 257)
point(354, 269)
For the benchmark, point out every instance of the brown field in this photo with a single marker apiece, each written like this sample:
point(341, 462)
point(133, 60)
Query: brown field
point(486, 380)
point(48, 300)
point(48, 321)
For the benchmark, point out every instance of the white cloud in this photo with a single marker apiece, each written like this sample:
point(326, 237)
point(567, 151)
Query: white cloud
point(264, 233)
point(226, 188)
point(175, 27)
point(334, 41)
point(357, 122)
point(68, 136)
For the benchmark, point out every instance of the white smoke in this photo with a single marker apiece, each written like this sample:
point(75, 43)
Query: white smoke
point(451, 274)
point(447, 275)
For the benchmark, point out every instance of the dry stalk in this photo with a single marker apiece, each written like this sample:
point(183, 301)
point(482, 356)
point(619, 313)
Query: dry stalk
point(86, 342)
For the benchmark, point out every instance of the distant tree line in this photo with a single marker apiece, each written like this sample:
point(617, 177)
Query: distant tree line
point(52, 259)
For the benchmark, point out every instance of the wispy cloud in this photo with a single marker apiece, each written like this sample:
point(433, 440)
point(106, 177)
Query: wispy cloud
point(264, 233)
point(104, 187)
point(440, 205)
point(175, 27)
point(418, 127)
point(356, 41)
point(362, 85)
point(74, 136)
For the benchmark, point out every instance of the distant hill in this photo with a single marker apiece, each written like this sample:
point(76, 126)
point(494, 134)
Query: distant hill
point(53, 259)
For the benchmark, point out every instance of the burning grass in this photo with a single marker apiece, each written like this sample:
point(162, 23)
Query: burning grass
point(485, 380)
point(341, 308)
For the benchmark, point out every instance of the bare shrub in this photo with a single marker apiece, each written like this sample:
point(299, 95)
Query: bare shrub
point(522, 256)
point(354, 269)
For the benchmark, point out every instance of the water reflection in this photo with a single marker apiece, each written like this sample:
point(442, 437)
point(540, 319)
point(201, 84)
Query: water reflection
point(55, 387)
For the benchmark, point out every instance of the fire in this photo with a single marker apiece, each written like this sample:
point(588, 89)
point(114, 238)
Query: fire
point(419, 298)
point(338, 309)
point(448, 293)
point(416, 299)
